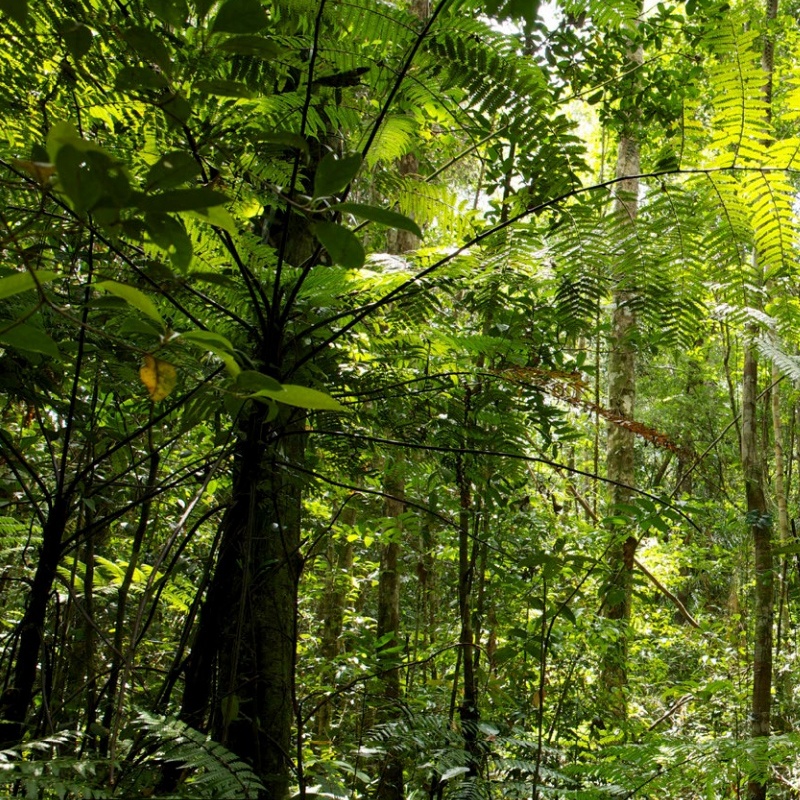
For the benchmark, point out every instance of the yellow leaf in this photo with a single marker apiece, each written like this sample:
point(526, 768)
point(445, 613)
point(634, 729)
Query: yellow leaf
point(158, 376)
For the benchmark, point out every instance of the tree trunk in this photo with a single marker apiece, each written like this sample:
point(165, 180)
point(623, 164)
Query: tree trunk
point(620, 446)
point(240, 673)
point(390, 786)
point(18, 696)
point(761, 530)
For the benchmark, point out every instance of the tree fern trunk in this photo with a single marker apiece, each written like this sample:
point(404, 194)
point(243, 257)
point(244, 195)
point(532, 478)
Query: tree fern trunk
point(240, 673)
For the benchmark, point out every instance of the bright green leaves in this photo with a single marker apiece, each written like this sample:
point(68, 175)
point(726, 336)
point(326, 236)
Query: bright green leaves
point(342, 245)
point(23, 281)
point(334, 174)
point(301, 397)
point(240, 16)
point(96, 183)
point(258, 386)
point(382, 216)
point(133, 297)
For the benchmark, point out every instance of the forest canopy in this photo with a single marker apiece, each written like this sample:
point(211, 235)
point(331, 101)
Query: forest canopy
point(398, 399)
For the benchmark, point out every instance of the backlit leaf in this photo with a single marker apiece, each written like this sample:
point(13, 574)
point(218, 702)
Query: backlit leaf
point(382, 216)
point(132, 296)
point(23, 281)
point(302, 397)
point(159, 377)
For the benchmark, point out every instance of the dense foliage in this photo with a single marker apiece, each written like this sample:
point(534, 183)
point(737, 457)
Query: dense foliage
point(310, 328)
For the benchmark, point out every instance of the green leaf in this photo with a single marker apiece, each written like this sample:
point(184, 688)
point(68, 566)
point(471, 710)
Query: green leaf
point(342, 244)
point(77, 38)
point(133, 297)
point(380, 215)
point(173, 12)
point(250, 45)
point(208, 340)
point(240, 16)
point(16, 9)
point(148, 46)
point(217, 215)
point(302, 397)
point(334, 174)
point(139, 79)
point(181, 200)
point(176, 108)
point(171, 170)
point(81, 185)
point(23, 281)
point(249, 380)
point(224, 88)
point(170, 235)
point(27, 337)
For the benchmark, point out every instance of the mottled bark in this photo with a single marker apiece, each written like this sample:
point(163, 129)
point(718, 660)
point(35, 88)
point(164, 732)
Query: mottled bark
point(620, 463)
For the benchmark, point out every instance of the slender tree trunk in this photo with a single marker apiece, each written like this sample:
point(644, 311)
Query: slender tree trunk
point(761, 530)
point(757, 509)
point(18, 696)
point(340, 558)
point(390, 786)
point(620, 463)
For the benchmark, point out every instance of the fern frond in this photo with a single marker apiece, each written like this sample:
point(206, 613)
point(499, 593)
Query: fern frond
point(211, 770)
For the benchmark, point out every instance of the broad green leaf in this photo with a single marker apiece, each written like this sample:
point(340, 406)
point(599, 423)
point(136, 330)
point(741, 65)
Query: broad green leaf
point(16, 9)
point(224, 88)
point(216, 215)
point(77, 38)
point(171, 170)
point(208, 340)
point(159, 377)
point(139, 79)
point(240, 16)
point(342, 244)
point(170, 235)
point(334, 174)
point(249, 380)
point(181, 200)
point(302, 397)
point(380, 215)
point(173, 12)
point(80, 184)
point(23, 281)
point(176, 108)
point(148, 46)
point(202, 7)
point(133, 297)
point(133, 324)
point(27, 337)
point(250, 45)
